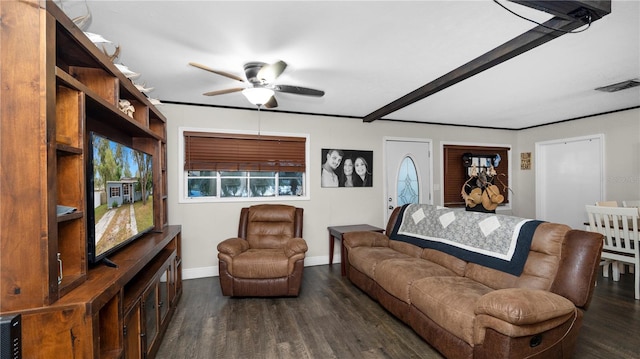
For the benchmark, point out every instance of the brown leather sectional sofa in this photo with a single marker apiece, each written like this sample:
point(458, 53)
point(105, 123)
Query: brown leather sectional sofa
point(466, 310)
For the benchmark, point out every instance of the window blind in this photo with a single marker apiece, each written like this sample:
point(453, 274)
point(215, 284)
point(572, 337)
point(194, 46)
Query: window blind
point(210, 151)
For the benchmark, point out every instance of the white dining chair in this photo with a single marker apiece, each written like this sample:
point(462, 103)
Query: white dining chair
point(605, 266)
point(607, 204)
point(619, 226)
point(634, 204)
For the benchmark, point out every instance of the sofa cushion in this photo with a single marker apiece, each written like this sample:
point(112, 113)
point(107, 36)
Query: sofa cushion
point(406, 248)
point(396, 275)
point(544, 257)
point(490, 277)
point(365, 259)
point(260, 264)
point(446, 260)
point(450, 302)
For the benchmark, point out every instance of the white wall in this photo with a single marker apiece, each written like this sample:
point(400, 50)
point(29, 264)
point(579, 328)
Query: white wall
point(622, 156)
point(204, 225)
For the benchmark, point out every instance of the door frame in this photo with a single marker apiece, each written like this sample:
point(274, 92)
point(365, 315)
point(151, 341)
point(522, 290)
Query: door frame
point(385, 186)
point(540, 186)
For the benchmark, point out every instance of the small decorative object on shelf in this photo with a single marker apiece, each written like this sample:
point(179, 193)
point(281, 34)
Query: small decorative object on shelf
point(142, 88)
point(126, 107)
point(126, 72)
point(96, 38)
point(113, 56)
point(62, 210)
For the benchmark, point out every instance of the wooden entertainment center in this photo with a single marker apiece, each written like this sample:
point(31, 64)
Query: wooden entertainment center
point(56, 86)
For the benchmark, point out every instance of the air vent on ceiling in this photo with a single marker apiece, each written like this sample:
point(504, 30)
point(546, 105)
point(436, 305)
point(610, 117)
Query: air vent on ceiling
point(620, 86)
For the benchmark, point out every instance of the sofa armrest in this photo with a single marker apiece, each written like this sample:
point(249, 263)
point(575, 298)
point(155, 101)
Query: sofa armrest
point(365, 239)
point(521, 306)
point(576, 278)
point(295, 246)
point(233, 246)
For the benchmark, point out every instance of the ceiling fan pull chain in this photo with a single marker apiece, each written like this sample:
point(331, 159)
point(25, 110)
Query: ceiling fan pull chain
point(259, 120)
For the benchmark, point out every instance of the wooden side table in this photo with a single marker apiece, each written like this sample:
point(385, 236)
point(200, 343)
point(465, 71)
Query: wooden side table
point(336, 232)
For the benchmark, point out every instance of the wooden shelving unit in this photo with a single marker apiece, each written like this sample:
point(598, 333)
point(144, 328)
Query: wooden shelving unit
point(56, 87)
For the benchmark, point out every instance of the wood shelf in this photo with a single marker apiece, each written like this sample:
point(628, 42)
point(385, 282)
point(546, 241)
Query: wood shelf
point(107, 111)
point(68, 150)
point(74, 89)
point(70, 216)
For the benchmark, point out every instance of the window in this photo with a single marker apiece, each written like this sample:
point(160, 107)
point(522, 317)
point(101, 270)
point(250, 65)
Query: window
point(455, 173)
point(233, 166)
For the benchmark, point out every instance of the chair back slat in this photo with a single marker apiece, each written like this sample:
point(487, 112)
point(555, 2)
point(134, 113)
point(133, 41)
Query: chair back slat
point(620, 229)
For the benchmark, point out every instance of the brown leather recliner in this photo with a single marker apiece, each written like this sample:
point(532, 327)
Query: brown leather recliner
point(267, 257)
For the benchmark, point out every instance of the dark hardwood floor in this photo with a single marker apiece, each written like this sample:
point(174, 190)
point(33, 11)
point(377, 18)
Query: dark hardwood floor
point(333, 319)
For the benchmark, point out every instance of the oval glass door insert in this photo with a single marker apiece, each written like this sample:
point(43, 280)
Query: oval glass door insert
point(408, 191)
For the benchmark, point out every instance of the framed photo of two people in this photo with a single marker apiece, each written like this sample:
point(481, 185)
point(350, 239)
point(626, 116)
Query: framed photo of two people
point(346, 168)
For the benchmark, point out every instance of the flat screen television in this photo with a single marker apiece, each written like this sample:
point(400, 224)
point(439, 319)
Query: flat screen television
point(119, 196)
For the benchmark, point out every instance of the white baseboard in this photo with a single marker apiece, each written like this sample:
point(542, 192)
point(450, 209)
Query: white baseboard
point(212, 271)
point(202, 272)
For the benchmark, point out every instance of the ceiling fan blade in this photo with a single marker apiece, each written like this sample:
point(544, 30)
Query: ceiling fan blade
point(222, 92)
point(272, 103)
point(221, 73)
point(271, 72)
point(298, 90)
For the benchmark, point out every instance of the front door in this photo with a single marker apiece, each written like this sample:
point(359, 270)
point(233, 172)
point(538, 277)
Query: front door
point(408, 174)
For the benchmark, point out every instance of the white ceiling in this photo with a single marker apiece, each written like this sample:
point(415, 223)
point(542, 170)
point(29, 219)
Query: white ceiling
point(365, 54)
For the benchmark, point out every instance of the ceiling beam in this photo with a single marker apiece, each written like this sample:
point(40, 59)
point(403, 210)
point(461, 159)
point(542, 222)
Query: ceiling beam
point(510, 49)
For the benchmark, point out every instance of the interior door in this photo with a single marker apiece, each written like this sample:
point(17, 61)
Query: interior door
point(569, 175)
point(408, 175)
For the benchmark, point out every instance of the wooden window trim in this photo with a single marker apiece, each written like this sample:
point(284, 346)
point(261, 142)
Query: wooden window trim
point(454, 173)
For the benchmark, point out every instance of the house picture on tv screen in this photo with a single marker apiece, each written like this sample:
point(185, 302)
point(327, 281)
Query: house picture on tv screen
point(122, 195)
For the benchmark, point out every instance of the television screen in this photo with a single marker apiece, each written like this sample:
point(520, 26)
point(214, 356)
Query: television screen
point(119, 198)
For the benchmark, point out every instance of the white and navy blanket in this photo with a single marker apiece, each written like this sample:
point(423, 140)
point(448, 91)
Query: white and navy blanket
point(492, 240)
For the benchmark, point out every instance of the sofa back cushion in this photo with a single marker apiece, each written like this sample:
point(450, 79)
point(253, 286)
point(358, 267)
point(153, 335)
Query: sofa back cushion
point(406, 248)
point(448, 261)
point(540, 268)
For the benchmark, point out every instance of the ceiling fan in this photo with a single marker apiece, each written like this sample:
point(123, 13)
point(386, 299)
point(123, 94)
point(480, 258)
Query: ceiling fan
point(260, 76)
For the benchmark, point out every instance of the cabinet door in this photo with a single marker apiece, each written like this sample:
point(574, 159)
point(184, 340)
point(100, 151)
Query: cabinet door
point(164, 287)
point(150, 313)
point(132, 333)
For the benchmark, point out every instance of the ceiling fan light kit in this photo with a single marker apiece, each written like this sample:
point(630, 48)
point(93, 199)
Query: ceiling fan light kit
point(258, 95)
point(260, 76)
